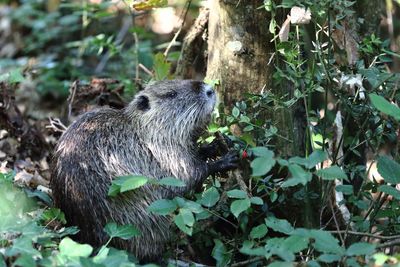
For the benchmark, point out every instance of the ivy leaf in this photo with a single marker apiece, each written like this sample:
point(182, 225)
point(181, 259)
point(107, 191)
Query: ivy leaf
point(238, 206)
point(210, 197)
point(332, 173)
point(125, 232)
point(389, 169)
point(360, 248)
point(387, 189)
point(162, 207)
point(384, 106)
point(70, 248)
point(171, 181)
point(262, 165)
point(220, 254)
point(279, 225)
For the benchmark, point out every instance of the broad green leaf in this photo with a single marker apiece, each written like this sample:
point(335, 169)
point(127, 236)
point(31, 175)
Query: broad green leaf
point(70, 248)
point(185, 220)
point(125, 232)
point(23, 245)
point(299, 176)
point(295, 243)
point(279, 225)
point(325, 242)
point(259, 231)
point(236, 193)
point(280, 264)
point(311, 161)
point(389, 169)
point(262, 165)
point(210, 197)
point(161, 67)
point(361, 248)
point(220, 253)
point(235, 112)
point(346, 189)
point(133, 182)
point(329, 258)
point(162, 206)
point(171, 181)
point(387, 189)
point(261, 151)
point(332, 173)
point(247, 249)
point(256, 201)
point(238, 206)
point(385, 106)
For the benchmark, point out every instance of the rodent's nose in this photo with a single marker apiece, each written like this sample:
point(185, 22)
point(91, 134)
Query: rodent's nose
point(209, 90)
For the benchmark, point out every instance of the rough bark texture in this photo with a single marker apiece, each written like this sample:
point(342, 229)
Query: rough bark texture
point(239, 50)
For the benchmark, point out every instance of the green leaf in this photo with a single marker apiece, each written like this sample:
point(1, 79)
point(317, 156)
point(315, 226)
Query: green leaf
point(125, 232)
point(332, 173)
point(70, 248)
point(149, 4)
point(389, 169)
point(329, 258)
point(387, 189)
point(210, 197)
point(299, 176)
point(346, 189)
point(315, 158)
point(325, 242)
point(259, 231)
point(385, 106)
point(238, 206)
point(133, 182)
point(256, 201)
point(261, 151)
point(279, 225)
point(161, 67)
point(171, 181)
point(162, 207)
point(126, 183)
point(236, 193)
point(220, 254)
point(185, 220)
point(360, 248)
point(262, 165)
point(235, 112)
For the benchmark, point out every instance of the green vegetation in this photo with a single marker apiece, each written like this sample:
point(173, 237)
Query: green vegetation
point(327, 207)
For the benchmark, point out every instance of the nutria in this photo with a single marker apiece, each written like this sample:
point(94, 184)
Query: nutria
point(156, 136)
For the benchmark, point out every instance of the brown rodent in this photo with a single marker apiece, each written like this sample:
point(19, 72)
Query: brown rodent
point(155, 136)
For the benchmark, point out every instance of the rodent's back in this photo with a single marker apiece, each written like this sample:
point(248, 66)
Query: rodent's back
point(154, 136)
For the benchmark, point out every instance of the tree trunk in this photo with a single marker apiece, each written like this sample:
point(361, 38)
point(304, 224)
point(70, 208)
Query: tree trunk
point(239, 53)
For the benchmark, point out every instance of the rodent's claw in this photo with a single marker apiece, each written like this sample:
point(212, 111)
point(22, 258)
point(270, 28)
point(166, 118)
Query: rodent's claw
point(226, 163)
point(228, 141)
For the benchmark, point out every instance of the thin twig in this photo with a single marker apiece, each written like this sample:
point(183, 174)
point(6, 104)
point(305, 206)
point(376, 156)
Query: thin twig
point(366, 234)
point(247, 262)
point(389, 244)
point(188, 3)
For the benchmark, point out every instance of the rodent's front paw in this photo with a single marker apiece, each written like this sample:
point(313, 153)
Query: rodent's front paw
point(228, 162)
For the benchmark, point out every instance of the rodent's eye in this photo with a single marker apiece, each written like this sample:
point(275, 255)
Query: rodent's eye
point(171, 94)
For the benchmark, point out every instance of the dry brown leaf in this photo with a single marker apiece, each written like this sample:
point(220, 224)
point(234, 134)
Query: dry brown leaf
point(284, 32)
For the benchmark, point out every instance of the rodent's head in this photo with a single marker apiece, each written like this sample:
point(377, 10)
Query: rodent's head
point(178, 108)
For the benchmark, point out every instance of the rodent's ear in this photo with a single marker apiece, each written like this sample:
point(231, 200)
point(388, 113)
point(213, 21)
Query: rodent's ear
point(142, 103)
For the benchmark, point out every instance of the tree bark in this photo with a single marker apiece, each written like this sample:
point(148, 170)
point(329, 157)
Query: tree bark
point(239, 54)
